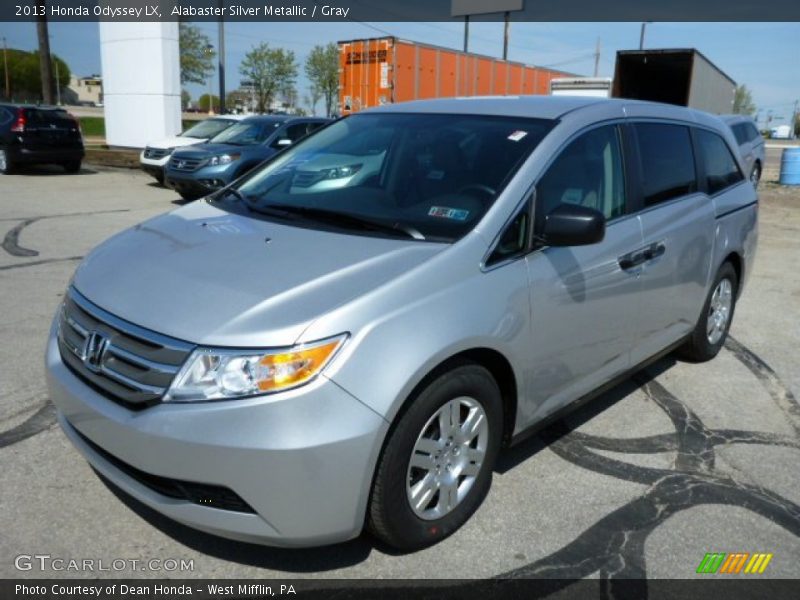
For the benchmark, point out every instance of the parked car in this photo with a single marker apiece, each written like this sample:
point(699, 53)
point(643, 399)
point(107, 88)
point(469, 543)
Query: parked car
point(39, 135)
point(282, 367)
point(751, 144)
point(199, 170)
point(156, 154)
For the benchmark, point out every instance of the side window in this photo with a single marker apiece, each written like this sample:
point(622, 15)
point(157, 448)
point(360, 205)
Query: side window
point(740, 133)
point(296, 131)
point(721, 170)
point(513, 241)
point(6, 116)
point(589, 172)
point(753, 134)
point(667, 161)
point(314, 125)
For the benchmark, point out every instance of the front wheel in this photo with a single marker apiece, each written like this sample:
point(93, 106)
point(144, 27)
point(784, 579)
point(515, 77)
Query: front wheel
point(436, 467)
point(712, 328)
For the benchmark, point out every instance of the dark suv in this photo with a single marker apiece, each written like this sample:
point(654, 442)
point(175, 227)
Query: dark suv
point(37, 135)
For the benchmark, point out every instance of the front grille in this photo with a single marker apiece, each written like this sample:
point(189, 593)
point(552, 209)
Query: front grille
point(185, 164)
point(155, 153)
point(128, 364)
point(215, 496)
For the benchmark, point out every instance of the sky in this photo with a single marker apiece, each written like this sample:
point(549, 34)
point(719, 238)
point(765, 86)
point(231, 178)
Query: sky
point(761, 55)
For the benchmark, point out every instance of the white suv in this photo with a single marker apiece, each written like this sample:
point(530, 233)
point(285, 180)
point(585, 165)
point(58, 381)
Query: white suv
point(156, 154)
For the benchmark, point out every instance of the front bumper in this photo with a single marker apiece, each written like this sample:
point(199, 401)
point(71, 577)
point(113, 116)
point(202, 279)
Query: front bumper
point(201, 182)
point(303, 459)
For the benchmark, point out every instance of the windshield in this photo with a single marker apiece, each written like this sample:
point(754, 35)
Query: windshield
point(434, 175)
point(246, 133)
point(207, 129)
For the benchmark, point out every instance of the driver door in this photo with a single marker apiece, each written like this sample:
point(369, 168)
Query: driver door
point(584, 301)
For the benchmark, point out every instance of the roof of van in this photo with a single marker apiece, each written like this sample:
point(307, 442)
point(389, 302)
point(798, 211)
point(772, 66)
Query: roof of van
point(543, 107)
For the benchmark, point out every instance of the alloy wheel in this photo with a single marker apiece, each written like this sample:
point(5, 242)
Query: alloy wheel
point(447, 458)
point(719, 311)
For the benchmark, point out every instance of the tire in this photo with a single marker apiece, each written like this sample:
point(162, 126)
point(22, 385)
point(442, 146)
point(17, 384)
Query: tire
point(190, 195)
point(159, 178)
point(72, 166)
point(6, 166)
point(391, 517)
point(702, 345)
point(755, 174)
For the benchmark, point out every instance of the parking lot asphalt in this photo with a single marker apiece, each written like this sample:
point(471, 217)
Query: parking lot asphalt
point(681, 460)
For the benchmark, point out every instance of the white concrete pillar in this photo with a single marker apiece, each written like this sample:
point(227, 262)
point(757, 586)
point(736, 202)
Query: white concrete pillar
point(141, 82)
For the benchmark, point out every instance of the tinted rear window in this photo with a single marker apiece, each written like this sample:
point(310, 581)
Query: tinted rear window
point(752, 132)
point(719, 166)
point(740, 133)
point(667, 161)
point(6, 115)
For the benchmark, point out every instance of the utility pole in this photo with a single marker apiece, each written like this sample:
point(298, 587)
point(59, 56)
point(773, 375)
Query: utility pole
point(45, 66)
point(466, 32)
point(5, 70)
point(58, 83)
point(506, 18)
point(641, 35)
point(221, 63)
point(597, 58)
point(793, 125)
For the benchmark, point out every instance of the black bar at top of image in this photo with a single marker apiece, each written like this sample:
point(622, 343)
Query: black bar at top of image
point(401, 10)
point(733, 588)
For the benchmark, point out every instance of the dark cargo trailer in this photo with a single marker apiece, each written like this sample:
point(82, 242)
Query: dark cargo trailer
point(674, 76)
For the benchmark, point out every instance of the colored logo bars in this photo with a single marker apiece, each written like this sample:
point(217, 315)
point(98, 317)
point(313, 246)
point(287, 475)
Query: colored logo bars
point(732, 563)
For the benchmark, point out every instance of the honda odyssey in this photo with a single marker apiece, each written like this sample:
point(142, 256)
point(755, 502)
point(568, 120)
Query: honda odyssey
point(347, 336)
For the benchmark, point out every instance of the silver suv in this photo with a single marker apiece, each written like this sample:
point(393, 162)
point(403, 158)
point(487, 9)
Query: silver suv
point(284, 362)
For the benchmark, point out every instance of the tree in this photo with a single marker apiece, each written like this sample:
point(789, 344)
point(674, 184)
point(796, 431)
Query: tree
point(204, 101)
point(270, 70)
point(24, 70)
point(197, 54)
point(186, 99)
point(743, 101)
point(322, 70)
point(312, 99)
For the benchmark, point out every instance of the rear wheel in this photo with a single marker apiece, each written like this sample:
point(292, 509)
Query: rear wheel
point(6, 165)
point(712, 328)
point(755, 174)
point(159, 177)
point(436, 467)
point(189, 195)
point(72, 166)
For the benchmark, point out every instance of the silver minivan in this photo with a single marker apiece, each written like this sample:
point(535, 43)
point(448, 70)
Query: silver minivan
point(751, 144)
point(348, 335)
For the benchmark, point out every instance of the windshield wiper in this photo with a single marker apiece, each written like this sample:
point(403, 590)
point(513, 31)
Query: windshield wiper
point(346, 220)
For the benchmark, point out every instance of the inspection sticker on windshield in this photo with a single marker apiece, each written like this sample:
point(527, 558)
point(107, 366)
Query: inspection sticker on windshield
point(517, 135)
point(459, 214)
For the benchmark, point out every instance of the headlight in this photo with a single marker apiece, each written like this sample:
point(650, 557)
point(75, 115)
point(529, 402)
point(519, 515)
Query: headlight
point(340, 172)
point(218, 374)
point(223, 159)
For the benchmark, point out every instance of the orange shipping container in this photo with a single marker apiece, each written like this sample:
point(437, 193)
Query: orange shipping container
point(378, 71)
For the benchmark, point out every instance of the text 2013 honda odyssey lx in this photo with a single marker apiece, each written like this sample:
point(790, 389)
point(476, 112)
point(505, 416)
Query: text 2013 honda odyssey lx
point(348, 335)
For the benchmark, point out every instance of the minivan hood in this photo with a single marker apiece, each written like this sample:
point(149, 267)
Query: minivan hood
point(211, 277)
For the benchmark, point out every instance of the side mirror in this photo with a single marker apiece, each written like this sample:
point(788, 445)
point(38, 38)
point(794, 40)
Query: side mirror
point(573, 225)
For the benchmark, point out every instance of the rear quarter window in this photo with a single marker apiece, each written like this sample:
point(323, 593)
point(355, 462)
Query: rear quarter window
point(6, 116)
point(752, 133)
point(667, 161)
point(740, 133)
point(720, 169)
